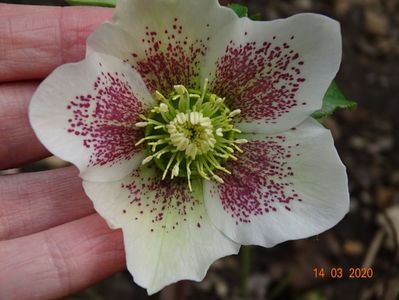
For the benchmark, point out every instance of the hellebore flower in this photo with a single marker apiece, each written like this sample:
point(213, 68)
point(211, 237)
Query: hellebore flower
point(191, 129)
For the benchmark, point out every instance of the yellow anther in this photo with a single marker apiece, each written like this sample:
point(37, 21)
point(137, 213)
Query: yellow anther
point(147, 160)
point(141, 124)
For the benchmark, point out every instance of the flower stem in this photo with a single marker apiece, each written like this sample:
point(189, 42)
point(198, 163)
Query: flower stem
point(245, 256)
point(106, 3)
point(177, 291)
point(154, 296)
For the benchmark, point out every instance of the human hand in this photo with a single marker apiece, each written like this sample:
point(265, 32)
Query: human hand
point(51, 241)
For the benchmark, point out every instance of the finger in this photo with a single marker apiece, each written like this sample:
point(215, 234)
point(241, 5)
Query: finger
point(36, 39)
point(59, 261)
point(32, 202)
point(18, 143)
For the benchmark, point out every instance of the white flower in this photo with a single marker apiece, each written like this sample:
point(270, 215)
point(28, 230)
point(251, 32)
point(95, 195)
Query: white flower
point(191, 129)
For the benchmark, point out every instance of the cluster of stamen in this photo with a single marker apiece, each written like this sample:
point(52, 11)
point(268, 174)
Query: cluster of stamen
point(190, 133)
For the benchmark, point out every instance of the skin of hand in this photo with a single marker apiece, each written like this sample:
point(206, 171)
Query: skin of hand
point(52, 243)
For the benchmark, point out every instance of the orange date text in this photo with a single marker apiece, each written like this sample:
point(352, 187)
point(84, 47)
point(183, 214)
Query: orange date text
point(338, 273)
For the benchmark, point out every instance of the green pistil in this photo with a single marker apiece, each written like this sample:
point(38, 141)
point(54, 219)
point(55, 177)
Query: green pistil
point(190, 133)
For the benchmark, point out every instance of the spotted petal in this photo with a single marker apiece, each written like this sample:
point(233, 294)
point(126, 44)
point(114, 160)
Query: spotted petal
point(167, 233)
point(286, 186)
point(165, 40)
point(85, 113)
point(276, 72)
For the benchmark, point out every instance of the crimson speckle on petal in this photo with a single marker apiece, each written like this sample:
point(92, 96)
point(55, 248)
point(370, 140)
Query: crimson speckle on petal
point(105, 119)
point(261, 179)
point(261, 80)
point(170, 57)
point(157, 199)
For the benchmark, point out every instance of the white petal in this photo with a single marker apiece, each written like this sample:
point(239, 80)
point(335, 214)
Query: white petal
point(85, 113)
point(283, 187)
point(165, 40)
point(167, 233)
point(276, 72)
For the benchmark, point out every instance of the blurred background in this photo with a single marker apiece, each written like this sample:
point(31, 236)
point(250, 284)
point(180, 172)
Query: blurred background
point(368, 142)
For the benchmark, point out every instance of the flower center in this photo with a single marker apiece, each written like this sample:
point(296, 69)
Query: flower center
point(190, 133)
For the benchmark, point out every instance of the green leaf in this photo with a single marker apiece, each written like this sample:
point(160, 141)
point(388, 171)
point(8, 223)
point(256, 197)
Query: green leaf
point(106, 3)
point(332, 100)
point(256, 17)
point(240, 10)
